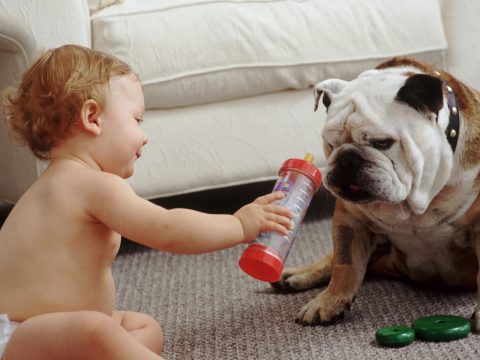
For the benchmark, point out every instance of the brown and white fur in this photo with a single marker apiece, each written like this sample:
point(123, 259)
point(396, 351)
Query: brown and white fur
point(407, 207)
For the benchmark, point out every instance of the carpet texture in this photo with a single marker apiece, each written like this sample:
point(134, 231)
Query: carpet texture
point(209, 309)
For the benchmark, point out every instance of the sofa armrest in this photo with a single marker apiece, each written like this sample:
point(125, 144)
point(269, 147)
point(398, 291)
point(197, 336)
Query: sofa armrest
point(54, 22)
point(17, 46)
point(17, 166)
point(16, 37)
point(27, 28)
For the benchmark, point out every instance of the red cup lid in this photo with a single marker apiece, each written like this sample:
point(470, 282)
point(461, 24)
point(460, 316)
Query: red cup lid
point(304, 167)
point(261, 263)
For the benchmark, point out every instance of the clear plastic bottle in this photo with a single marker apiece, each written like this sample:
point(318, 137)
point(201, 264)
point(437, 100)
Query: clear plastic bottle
point(263, 259)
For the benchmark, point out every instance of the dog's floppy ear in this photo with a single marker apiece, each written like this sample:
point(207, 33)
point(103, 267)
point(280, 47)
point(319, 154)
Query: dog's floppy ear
point(327, 88)
point(423, 93)
point(326, 99)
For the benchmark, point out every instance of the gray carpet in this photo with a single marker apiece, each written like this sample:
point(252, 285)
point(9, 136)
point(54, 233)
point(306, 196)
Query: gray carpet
point(209, 309)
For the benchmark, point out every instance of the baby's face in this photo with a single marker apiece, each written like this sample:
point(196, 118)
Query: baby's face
point(122, 137)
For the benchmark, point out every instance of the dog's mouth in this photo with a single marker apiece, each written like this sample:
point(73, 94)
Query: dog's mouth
point(349, 189)
point(355, 193)
point(356, 179)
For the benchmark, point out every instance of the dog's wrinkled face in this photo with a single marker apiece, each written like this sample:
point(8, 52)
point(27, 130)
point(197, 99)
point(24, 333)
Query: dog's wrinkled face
point(384, 137)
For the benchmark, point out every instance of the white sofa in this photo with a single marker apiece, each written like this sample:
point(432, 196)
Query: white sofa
point(228, 83)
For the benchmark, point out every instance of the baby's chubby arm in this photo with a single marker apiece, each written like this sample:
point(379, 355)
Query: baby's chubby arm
point(182, 230)
point(188, 231)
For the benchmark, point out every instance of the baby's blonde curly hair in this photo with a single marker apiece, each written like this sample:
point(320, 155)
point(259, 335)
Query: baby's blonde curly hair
point(52, 92)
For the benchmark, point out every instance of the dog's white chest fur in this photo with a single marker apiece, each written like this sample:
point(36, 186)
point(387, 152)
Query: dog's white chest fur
point(429, 252)
point(426, 239)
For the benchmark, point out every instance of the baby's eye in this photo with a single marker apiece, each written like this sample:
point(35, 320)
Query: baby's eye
point(139, 120)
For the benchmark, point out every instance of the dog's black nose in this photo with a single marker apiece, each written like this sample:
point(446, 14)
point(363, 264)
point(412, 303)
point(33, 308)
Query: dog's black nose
point(347, 167)
point(349, 160)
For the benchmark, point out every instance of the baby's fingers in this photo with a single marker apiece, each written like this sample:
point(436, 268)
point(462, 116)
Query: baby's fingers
point(275, 220)
point(267, 199)
point(279, 210)
point(282, 228)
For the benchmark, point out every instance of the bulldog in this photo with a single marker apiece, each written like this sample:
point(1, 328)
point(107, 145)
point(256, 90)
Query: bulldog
point(402, 143)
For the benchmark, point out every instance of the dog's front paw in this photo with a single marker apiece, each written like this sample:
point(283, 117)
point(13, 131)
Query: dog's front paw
point(292, 281)
point(305, 277)
point(325, 309)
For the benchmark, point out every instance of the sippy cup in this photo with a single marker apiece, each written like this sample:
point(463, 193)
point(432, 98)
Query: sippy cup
point(263, 259)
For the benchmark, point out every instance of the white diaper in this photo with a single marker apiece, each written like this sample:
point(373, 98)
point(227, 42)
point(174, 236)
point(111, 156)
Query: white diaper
point(7, 328)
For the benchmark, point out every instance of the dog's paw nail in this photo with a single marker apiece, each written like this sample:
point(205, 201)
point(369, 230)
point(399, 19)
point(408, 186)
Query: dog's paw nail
point(277, 285)
point(303, 323)
point(334, 319)
point(283, 286)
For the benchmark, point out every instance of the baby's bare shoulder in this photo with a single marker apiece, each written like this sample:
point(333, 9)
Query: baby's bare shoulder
point(82, 179)
point(76, 189)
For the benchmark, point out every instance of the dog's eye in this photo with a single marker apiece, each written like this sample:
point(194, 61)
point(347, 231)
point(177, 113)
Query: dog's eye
point(382, 144)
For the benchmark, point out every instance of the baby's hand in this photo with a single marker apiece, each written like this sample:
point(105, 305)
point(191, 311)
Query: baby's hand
point(262, 216)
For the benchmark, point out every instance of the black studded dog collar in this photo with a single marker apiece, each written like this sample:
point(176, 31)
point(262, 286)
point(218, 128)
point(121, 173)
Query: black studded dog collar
point(453, 129)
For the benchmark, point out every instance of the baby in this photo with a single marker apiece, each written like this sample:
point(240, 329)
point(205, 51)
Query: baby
point(81, 110)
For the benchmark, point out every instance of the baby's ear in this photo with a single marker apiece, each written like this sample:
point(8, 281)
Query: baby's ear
point(89, 117)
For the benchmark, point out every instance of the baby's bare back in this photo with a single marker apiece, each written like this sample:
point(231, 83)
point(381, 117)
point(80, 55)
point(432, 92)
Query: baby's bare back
point(54, 256)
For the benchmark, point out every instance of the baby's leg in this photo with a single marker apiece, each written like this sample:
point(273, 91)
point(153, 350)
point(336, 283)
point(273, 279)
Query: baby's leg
point(143, 328)
point(74, 336)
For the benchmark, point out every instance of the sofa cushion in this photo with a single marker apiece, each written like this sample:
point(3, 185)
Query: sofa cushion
point(96, 5)
point(192, 51)
point(228, 143)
